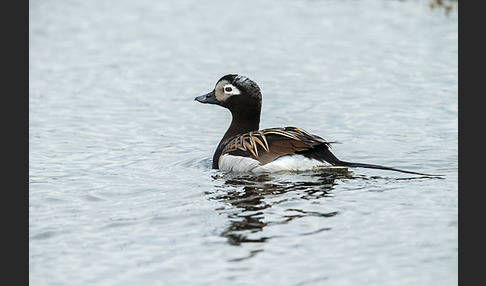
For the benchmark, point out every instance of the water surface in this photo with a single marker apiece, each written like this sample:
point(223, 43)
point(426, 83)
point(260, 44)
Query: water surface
point(121, 186)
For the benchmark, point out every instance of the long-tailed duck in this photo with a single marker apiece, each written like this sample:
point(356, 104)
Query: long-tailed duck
point(245, 148)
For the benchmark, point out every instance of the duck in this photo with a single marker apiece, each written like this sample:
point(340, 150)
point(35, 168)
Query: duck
point(247, 148)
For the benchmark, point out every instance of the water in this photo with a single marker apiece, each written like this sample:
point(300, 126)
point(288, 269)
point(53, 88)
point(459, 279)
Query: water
point(121, 186)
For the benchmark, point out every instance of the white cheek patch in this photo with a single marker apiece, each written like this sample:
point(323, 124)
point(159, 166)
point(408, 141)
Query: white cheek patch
point(230, 89)
point(227, 91)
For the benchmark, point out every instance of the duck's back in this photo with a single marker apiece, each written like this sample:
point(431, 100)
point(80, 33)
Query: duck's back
point(273, 149)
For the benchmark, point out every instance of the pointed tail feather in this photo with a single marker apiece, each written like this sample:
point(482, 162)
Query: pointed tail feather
point(372, 166)
point(323, 153)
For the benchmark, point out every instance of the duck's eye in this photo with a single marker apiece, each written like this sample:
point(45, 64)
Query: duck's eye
point(228, 89)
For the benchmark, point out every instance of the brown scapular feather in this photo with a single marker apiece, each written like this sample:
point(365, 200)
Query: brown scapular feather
point(269, 144)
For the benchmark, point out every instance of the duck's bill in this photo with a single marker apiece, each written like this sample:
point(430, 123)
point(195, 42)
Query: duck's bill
point(207, 98)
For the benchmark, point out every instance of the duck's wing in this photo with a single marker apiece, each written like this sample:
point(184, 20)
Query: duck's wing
point(269, 144)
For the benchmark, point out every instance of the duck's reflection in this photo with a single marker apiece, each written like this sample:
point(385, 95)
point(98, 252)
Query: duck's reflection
point(251, 197)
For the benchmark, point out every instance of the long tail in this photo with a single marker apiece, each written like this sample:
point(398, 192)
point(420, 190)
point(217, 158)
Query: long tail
point(372, 166)
point(323, 153)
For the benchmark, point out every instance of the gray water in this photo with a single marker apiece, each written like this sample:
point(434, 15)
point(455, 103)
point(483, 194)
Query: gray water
point(121, 186)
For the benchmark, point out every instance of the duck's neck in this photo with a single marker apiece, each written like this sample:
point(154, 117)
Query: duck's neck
point(242, 122)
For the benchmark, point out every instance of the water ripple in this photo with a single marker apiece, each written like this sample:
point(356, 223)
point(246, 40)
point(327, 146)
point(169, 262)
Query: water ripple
point(255, 201)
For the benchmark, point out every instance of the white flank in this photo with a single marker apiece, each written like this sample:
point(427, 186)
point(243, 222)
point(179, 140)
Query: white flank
point(232, 163)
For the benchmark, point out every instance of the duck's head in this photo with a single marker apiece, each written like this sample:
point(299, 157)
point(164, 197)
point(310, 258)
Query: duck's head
point(235, 92)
